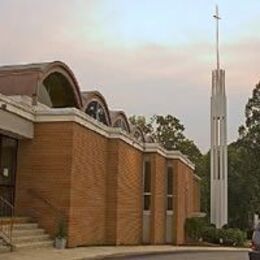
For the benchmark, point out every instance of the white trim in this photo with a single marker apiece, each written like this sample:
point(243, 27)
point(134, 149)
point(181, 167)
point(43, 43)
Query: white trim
point(42, 114)
point(156, 148)
point(169, 212)
point(16, 108)
point(197, 177)
point(198, 214)
point(71, 115)
point(80, 117)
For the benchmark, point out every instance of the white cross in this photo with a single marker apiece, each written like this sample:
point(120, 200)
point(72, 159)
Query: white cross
point(217, 17)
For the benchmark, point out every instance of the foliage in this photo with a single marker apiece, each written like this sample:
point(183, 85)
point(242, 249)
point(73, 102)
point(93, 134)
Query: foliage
point(243, 170)
point(194, 228)
point(197, 228)
point(231, 236)
point(169, 132)
point(210, 234)
point(141, 122)
point(250, 132)
point(243, 163)
point(62, 229)
point(224, 236)
point(244, 167)
point(203, 169)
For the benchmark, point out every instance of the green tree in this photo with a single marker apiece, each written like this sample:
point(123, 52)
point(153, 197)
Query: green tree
point(250, 132)
point(169, 132)
point(244, 167)
point(142, 123)
point(203, 170)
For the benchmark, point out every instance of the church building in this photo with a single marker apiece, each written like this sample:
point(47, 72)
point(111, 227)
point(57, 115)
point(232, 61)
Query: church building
point(65, 156)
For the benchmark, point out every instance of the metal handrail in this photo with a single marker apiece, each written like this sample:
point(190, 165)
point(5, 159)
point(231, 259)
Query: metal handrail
point(37, 196)
point(6, 222)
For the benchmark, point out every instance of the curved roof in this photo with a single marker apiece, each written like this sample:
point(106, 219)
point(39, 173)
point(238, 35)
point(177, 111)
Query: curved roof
point(24, 79)
point(89, 96)
point(116, 115)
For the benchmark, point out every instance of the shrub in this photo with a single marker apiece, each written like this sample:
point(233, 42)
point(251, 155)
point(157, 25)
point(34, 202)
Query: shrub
point(197, 228)
point(233, 237)
point(62, 229)
point(194, 227)
point(229, 236)
point(210, 234)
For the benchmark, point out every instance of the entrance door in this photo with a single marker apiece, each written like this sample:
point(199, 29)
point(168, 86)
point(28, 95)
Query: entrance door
point(8, 152)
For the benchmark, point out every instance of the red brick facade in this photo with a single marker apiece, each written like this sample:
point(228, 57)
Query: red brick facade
point(95, 183)
point(84, 164)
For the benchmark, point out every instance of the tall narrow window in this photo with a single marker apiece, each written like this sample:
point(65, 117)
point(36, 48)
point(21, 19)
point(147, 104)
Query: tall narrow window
point(147, 186)
point(169, 188)
point(218, 147)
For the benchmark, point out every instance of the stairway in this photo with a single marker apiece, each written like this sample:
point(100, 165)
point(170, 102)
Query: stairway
point(3, 247)
point(27, 234)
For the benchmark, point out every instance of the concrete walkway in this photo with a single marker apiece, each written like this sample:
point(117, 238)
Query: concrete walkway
point(85, 253)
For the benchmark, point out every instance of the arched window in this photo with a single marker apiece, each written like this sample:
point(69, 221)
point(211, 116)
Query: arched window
point(95, 110)
point(121, 124)
point(56, 92)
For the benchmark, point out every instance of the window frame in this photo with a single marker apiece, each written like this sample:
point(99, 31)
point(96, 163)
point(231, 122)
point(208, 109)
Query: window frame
point(147, 194)
point(169, 194)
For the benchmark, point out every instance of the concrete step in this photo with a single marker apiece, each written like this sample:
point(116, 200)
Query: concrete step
point(35, 238)
point(28, 232)
point(47, 243)
point(25, 226)
point(4, 249)
point(17, 220)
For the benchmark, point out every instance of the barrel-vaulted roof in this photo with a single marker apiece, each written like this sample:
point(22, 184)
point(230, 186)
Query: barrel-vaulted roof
point(118, 115)
point(95, 96)
point(26, 79)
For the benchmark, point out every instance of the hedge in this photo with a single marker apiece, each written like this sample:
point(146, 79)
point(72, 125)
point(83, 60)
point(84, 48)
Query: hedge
point(197, 228)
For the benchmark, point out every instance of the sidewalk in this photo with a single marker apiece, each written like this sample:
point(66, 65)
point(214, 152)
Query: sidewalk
point(85, 253)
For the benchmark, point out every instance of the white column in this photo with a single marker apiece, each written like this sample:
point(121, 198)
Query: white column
point(218, 150)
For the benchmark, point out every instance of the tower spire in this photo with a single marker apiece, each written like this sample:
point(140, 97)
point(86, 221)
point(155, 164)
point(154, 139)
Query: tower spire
point(217, 17)
point(218, 154)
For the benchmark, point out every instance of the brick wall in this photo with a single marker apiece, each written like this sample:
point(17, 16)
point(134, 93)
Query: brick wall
point(158, 210)
point(88, 188)
point(111, 192)
point(43, 174)
point(129, 195)
point(124, 194)
point(96, 184)
point(185, 204)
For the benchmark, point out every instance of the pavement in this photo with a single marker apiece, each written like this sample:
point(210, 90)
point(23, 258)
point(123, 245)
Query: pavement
point(109, 252)
point(193, 256)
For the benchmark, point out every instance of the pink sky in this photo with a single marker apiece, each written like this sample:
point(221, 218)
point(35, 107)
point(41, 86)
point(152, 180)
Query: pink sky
point(141, 74)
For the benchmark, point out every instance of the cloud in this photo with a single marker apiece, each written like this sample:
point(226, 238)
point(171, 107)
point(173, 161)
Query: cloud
point(147, 79)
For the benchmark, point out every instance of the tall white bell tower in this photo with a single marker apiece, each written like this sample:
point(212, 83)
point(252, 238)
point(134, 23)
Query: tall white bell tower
point(218, 153)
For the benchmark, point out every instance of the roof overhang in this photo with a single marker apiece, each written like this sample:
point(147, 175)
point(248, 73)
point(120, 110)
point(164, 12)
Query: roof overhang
point(15, 120)
point(15, 125)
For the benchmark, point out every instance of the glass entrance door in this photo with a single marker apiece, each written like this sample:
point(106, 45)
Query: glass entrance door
point(8, 152)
